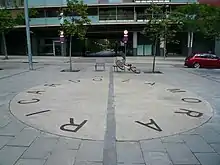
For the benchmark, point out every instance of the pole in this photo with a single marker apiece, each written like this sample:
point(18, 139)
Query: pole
point(70, 54)
point(125, 51)
point(62, 49)
point(28, 34)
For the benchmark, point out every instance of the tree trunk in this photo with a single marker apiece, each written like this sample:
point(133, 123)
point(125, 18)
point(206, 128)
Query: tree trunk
point(4, 45)
point(154, 55)
point(70, 54)
point(190, 43)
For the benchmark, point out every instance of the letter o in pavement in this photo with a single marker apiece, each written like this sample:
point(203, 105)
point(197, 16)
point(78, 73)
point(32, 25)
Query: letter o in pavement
point(28, 101)
point(191, 100)
point(97, 79)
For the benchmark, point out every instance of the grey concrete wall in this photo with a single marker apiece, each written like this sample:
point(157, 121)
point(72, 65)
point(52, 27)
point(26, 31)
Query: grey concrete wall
point(202, 44)
point(217, 47)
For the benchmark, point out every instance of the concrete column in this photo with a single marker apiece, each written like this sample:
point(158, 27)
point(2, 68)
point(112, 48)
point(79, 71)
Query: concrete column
point(162, 47)
point(34, 45)
point(134, 43)
point(190, 43)
point(217, 47)
point(135, 15)
point(2, 46)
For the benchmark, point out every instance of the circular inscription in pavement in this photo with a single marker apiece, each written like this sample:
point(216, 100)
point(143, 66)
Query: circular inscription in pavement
point(142, 110)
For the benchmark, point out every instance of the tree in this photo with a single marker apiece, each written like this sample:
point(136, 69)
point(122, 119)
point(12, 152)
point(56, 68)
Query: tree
point(198, 18)
point(7, 22)
point(211, 21)
point(160, 27)
point(75, 22)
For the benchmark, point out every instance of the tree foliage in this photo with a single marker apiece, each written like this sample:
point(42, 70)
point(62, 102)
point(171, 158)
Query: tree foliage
point(75, 19)
point(199, 18)
point(161, 25)
point(6, 20)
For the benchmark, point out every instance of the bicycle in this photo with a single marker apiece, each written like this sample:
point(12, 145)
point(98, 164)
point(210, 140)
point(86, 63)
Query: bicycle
point(122, 65)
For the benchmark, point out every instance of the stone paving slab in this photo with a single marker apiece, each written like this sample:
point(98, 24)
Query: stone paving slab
point(154, 145)
point(90, 151)
point(9, 155)
point(197, 144)
point(172, 139)
point(208, 158)
point(24, 138)
point(157, 158)
point(62, 157)
point(131, 164)
point(30, 162)
point(4, 140)
point(216, 147)
point(87, 163)
point(4, 120)
point(67, 143)
point(180, 154)
point(12, 129)
point(40, 149)
point(209, 135)
point(129, 153)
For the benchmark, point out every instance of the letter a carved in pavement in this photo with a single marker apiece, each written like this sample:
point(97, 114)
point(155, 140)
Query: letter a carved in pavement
point(153, 125)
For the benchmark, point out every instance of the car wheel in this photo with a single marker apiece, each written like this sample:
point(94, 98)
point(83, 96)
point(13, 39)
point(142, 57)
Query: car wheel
point(196, 65)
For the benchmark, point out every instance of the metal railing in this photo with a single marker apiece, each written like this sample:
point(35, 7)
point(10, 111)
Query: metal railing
point(114, 17)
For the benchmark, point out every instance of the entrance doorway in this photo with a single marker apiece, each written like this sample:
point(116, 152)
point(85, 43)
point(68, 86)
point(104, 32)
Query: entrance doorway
point(57, 49)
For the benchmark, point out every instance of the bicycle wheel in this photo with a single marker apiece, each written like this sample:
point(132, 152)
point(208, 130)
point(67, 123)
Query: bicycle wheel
point(128, 65)
point(120, 65)
point(135, 70)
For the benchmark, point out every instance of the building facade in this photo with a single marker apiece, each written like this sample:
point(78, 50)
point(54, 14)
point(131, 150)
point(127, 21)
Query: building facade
point(109, 18)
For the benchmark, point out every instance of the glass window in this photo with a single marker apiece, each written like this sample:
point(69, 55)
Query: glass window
point(92, 11)
point(204, 55)
point(213, 56)
point(20, 2)
point(141, 13)
point(46, 49)
point(2, 3)
point(125, 13)
point(52, 13)
point(48, 41)
point(40, 14)
point(103, 1)
point(106, 14)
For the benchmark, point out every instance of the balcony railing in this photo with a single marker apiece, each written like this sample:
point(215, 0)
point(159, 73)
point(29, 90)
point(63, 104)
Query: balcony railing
point(116, 18)
point(151, 1)
point(54, 21)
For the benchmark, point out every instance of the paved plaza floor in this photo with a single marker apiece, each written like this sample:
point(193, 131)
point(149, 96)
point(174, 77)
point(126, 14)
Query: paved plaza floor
point(49, 117)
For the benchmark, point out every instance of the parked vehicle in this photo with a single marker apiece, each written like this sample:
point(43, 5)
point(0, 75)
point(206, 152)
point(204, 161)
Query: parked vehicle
point(203, 60)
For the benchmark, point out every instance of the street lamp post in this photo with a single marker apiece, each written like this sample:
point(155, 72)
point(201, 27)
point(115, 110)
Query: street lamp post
point(125, 39)
point(62, 39)
point(27, 22)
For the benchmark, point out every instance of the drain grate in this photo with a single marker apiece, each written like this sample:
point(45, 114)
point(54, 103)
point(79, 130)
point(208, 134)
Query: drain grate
point(155, 72)
point(67, 70)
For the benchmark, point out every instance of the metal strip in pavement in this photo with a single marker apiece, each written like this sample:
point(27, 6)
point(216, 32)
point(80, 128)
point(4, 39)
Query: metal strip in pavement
point(109, 151)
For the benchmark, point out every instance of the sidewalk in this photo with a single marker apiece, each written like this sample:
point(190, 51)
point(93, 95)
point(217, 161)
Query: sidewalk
point(51, 59)
point(117, 118)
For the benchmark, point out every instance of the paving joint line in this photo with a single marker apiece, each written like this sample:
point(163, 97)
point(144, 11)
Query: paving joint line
point(197, 74)
point(109, 150)
point(16, 74)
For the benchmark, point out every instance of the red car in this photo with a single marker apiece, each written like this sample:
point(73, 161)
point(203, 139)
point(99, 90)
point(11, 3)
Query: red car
point(203, 60)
